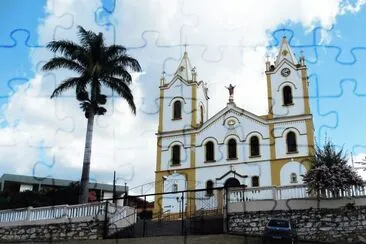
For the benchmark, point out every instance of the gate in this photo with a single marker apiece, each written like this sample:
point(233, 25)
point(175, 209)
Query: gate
point(175, 213)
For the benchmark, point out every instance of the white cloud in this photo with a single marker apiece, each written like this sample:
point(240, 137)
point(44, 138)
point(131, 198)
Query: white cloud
point(122, 142)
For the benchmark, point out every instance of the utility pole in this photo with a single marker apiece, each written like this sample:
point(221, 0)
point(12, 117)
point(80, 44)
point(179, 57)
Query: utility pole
point(114, 187)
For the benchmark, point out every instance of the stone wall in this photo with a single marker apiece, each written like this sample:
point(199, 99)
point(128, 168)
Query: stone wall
point(342, 225)
point(90, 230)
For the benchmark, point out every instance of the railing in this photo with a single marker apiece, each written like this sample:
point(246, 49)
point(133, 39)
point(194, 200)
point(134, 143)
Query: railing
point(287, 192)
point(52, 212)
point(122, 216)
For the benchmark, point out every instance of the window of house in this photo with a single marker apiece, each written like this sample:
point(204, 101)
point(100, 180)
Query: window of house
point(209, 188)
point(255, 181)
point(232, 149)
point(177, 110)
point(210, 151)
point(254, 146)
point(176, 154)
point(291, 142)
point(174, 187)
point(287, 96)
point(293, 178)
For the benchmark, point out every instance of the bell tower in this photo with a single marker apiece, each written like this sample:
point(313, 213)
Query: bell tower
point(287, 84)
point(183, 100)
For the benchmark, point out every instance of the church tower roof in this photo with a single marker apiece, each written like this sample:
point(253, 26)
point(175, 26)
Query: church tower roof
point(285, 52)
point(185, 68)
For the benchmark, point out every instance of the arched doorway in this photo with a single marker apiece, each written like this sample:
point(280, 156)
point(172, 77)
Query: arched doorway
point(232, 182)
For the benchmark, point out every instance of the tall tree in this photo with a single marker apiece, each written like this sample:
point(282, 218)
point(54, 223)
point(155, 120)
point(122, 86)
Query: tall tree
point(330, 172)
point(96, 64)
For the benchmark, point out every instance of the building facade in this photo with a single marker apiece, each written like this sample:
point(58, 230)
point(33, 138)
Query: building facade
point(233, 147)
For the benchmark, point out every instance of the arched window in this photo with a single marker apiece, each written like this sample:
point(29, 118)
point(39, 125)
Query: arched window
point(177, 110)
point(210, 151)
point(255, 181)
point(209, 188)
point(287, 96)
point(291, 142)
point(232, 149)
point(254, 146)
point(201, 114)
point(293, 178)
point(176, 154)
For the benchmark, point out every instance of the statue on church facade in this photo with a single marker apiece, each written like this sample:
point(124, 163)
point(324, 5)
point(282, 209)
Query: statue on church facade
point(231, 92)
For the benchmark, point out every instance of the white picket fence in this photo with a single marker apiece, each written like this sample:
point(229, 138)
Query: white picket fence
point(120, 215)
point(287, 192)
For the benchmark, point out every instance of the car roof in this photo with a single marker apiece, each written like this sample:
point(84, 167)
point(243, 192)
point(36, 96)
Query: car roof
point(280, 219)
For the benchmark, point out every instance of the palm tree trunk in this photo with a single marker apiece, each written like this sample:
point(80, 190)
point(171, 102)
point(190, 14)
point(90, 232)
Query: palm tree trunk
point(84, 183)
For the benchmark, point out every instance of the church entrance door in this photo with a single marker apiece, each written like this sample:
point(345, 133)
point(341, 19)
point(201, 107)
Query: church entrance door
point(232, 182)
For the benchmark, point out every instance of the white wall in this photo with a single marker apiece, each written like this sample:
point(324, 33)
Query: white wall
point(177, 89)
point(280, 131)
point(166, 151)
point(169, 201)
point(261, 169)
point(219, 133)
point(297, 92)
point(291, 167)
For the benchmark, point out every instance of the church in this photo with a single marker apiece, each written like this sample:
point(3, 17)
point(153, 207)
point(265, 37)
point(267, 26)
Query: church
point(234, 147)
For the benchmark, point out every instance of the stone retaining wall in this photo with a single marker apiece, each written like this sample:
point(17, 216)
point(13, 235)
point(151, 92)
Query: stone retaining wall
point(91, 230)
point(328, 225)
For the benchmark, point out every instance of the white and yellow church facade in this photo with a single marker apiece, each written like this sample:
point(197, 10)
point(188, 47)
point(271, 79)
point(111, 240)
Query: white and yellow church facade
point(233, 147)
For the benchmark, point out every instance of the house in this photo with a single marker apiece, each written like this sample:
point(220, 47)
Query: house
point(12, 184)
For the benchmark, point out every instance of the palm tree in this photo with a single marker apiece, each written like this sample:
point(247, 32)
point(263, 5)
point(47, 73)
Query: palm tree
point(96, 65)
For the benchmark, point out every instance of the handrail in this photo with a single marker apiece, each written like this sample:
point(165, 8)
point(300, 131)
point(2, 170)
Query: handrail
point(51, 212)
point(240, 194)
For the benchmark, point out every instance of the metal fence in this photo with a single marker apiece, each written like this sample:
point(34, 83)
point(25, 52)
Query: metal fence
point(173, 213)
point(188, 212)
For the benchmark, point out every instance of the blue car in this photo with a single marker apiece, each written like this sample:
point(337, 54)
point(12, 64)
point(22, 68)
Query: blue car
point(280, 230)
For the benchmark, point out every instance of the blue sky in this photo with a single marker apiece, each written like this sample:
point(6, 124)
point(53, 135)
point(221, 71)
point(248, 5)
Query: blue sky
point(337, 78)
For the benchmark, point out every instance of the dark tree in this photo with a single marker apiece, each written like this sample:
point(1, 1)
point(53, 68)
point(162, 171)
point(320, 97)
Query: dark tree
point(96, 65)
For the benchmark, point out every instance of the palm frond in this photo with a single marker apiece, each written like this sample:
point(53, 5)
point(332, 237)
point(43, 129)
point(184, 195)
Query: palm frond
point(126, 61)
point(65, 47)
point(114, 51)
point(87, 38)
point(119, 71)
point(122, 89)
point(67, 84)
point(62, 62)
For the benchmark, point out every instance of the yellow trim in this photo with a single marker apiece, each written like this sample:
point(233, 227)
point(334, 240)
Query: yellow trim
point(305, 90)
point(191, 173)
point(194, 106)
point(193, 151)
point(159, 185)
point(158, 154)
point(272, 142)
point(161, 118)
point(190, 177)
point(310, 135)
point(269, 94)
point(160, 129)
point(309, 123)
